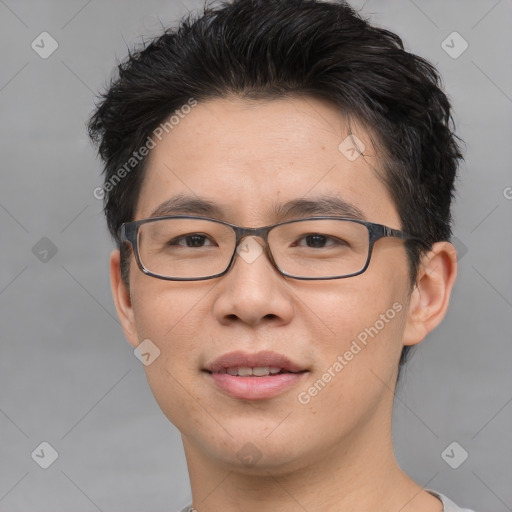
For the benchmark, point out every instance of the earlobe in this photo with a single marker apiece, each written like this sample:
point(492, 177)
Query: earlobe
point(431, 294)
point(122, 299)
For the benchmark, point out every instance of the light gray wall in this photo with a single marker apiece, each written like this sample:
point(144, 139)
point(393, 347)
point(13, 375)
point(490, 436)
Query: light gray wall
point(68, 377)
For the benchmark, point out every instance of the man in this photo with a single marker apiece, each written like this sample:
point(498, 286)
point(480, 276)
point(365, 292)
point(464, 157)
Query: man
point(278, 179)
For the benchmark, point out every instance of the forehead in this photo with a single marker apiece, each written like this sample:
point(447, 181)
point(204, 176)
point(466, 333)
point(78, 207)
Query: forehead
point(252, 159)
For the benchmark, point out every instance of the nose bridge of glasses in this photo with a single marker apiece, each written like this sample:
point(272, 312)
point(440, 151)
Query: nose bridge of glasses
point(248, 248)
point(243, 233)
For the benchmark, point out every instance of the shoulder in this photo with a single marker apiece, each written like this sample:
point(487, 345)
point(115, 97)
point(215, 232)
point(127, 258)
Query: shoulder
point(448, 505)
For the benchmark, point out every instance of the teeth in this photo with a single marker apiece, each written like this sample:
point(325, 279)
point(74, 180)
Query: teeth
point(258, 371)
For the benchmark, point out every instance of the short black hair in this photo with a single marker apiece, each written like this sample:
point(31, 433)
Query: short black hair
point(269, 49)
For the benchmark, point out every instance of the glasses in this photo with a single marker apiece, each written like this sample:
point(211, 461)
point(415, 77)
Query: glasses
point(187, 248)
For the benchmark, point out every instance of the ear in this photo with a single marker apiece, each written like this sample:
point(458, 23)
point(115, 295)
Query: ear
point(431, 294)
point(122, 299)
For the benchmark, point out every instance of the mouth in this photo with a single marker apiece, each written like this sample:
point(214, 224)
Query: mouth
point(258, 371)
point(254, 376)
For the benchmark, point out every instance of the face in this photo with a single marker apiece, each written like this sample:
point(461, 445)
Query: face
point(341, 339)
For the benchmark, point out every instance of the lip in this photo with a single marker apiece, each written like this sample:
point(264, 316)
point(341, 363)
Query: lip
point(254, 388)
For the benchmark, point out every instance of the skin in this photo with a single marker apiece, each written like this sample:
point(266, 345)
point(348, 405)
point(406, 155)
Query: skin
point(334, 453)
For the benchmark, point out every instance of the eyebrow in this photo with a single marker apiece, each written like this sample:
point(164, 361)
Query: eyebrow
point(296, 208)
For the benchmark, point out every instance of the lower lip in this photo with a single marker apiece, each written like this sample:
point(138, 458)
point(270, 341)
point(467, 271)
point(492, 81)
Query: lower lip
point(255, 388)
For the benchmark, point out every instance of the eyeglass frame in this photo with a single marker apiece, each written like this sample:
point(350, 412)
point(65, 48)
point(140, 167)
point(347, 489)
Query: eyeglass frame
point(128, 232)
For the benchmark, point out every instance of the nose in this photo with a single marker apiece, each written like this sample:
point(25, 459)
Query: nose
point(253, 292)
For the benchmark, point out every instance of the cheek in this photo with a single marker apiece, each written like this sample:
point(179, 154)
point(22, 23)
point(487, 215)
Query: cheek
point(343, 309)
point(174, 316)
point(358, 368)
point(169, 313)
point(357, 336)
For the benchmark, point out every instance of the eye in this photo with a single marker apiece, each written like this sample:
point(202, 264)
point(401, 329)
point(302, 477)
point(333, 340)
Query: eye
point(319, 241)
point(193, 240)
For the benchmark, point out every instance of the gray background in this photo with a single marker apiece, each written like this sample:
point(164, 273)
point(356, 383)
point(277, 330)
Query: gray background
point(68, 377)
